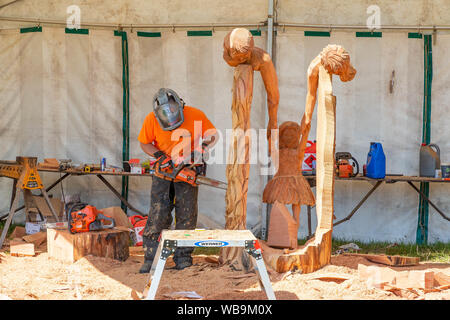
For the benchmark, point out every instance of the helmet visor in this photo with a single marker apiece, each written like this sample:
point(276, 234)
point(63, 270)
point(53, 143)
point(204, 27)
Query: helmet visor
point(169, 115)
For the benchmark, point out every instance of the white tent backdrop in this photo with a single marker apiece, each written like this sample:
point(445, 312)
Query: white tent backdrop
point(61, 96)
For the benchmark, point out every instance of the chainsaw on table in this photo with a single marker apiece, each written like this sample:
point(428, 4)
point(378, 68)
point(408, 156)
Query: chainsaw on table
point(194, 174)
point(82, 217)
point(345, 169)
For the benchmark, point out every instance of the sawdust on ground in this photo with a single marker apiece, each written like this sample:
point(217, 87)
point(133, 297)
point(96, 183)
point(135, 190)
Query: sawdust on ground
point(44, 278)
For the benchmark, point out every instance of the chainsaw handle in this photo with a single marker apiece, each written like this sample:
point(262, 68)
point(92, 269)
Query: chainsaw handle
point(133, 219)
point(357, 167)
point(101, 216)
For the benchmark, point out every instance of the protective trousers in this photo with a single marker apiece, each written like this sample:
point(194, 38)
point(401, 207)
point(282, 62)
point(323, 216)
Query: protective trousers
point(165, 196)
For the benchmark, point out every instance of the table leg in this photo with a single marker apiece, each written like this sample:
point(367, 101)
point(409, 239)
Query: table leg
point(118, 195)
point(359, 204)
point(429, 201)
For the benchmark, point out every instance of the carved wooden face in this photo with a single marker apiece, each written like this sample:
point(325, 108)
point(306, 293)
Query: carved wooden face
point(289, 135)
point(337, 61)
point(348, 72)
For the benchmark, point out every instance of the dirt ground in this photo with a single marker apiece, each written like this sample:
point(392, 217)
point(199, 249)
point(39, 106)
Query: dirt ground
point(95, 278)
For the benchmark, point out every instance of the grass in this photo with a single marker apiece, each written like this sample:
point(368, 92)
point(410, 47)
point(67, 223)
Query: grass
point(435, 252)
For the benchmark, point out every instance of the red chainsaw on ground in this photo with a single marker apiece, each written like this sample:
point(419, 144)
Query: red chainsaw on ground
point(82, 217)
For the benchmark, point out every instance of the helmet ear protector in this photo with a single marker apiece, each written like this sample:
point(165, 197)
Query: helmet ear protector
point(168, 108)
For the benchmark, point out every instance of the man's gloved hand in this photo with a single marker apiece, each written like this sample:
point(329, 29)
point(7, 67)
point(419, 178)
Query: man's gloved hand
point(163, 161)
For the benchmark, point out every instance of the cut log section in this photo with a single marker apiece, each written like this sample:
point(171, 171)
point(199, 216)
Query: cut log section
point(111, 243)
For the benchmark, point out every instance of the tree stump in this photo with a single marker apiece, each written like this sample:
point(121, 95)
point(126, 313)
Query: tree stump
point(238, 167)
point(110, 243)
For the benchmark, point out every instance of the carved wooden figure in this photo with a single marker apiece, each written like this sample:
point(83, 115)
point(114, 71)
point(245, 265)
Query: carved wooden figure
point(317, 251)
point(240, 52)
point(288, 186)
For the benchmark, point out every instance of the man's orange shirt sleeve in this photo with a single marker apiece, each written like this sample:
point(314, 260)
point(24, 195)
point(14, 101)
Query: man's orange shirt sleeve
point(147, 134)
point(207, 125)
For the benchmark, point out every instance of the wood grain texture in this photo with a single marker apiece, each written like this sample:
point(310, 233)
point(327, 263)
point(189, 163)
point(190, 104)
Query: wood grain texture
point(283, 228)
point(317, 251)
point(63, 245)
point(238, 167)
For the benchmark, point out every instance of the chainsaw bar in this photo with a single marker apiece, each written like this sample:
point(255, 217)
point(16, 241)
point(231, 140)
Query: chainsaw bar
point(211, 182)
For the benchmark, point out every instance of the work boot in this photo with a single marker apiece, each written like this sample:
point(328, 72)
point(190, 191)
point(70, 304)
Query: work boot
point(183, 264)
point(150, 246)
point(146, 266)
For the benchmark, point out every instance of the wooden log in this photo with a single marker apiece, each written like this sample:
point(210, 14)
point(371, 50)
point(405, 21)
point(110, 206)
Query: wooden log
point(110, 243)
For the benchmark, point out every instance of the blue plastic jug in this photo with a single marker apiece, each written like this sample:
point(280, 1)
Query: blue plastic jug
point(376, 161)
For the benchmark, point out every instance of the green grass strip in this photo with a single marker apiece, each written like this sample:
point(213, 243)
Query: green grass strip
point(77, 31)
point(368, 34)
point(201, 33)
point(31, 29)
point(149, 34)
point(317, 34)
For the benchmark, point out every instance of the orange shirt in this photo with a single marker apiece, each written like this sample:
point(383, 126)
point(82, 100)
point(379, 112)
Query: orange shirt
point(194, 127)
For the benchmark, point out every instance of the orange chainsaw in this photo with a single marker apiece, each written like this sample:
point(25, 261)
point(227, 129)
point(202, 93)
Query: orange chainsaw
point(194, 174)
point(82, 217)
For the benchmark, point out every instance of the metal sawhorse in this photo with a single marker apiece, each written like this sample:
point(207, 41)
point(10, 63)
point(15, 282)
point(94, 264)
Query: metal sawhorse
point(171, 239)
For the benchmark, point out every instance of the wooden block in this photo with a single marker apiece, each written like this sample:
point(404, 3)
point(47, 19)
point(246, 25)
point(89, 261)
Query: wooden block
point(18, 232)
point(376, 277)
point(37, 238)
point(21, 248)
point(119, 216)
point(421, 279)
point(110, 243)
point(441, 279)
point(283, 228)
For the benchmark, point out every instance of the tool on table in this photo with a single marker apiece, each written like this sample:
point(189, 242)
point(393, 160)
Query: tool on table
point(193, 174)
point(82, 217)
point(64, 164)
point(26, 178)
point(345, 169)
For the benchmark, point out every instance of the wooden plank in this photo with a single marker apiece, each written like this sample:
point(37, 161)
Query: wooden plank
point(394, 261)
point(18, 232)
point(111, 243)
point(37, 238)
point(119, 216)
point(20, 248)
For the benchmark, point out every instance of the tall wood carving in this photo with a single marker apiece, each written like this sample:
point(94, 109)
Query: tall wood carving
point(288, 186)
point(239, 52)
point(317, 251)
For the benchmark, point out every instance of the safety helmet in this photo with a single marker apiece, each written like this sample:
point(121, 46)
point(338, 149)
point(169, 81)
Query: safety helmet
point(168, 109)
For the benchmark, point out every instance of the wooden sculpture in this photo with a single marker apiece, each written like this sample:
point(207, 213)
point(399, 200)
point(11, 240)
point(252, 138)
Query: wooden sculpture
point(240, 52)
point(288, 186)
point(317, 251)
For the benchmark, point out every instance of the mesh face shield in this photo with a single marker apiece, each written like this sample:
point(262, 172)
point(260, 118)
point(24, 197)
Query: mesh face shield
point(168, 109)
